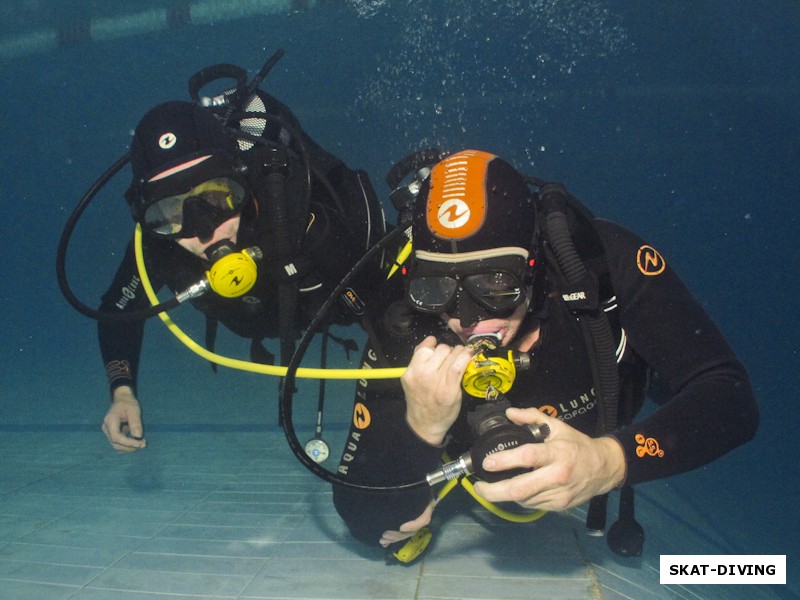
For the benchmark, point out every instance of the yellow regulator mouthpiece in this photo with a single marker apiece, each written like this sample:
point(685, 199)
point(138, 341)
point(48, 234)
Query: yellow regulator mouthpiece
point(483, 372)
point(234, 274)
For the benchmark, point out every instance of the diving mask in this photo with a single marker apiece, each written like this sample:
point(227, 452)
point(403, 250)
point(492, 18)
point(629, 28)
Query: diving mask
point(494, 287)
point(192, 213)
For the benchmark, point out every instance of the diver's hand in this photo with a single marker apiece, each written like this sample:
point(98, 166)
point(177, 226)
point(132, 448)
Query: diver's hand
point(123, 422)
point(408, 529)
point(432, 386)
point(570, 467)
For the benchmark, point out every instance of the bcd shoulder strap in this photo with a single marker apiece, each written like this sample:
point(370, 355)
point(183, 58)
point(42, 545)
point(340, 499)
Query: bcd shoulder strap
point(583, 290)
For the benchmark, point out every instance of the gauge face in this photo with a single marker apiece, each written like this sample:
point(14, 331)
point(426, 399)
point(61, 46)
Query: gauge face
point(317, 450)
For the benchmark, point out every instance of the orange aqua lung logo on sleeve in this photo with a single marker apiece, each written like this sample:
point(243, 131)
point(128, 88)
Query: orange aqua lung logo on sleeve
point(648, 447)
point(361, 416)
point(650, 261)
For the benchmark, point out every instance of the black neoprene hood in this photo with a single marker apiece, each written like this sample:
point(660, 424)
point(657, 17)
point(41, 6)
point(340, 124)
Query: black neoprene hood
point(171, 136)
point(473, 201)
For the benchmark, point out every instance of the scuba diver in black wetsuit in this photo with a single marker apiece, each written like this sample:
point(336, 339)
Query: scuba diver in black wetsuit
point(233, 173)
point(584, 309)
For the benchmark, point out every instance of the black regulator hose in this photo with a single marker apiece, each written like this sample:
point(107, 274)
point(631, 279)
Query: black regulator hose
point(61, 259)
point(287, 389)
point(599, 329)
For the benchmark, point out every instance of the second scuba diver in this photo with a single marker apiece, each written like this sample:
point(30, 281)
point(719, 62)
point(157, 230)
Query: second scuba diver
point(207, 182)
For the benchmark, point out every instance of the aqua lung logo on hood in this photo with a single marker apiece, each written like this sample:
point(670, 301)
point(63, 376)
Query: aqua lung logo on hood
point(167, 140)
point(454, 214)
point(457, 199)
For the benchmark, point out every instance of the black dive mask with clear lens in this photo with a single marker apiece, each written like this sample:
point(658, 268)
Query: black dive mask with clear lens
point(472, 290)
point(197, 212)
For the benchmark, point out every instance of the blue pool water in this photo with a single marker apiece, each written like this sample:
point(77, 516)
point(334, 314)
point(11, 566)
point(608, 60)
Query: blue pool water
point(678, 120)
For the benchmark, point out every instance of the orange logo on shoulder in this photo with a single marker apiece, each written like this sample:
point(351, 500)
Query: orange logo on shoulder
point(650, 261)
point(361, 416)
point(648, 447)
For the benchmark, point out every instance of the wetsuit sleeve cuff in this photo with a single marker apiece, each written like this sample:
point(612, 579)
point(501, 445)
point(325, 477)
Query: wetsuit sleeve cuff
point(624, 479)
point(644, 457)
point(418, 456)
point(416, 436)
point(119, 373)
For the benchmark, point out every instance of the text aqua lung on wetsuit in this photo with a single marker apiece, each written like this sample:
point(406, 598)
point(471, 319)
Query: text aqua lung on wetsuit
point(361, 417)
point(349, 454)
point(128, 292)
point(566, 411)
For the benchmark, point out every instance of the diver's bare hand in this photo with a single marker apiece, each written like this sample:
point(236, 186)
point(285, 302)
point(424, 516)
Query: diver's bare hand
point(123, 422)
point(570, 467)
point(432, 386)
point(408, 529)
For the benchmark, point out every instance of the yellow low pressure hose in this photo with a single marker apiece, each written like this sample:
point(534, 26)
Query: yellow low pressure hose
point(465, 482)
point(243, 365)
point(500, 512)
point(308, 373)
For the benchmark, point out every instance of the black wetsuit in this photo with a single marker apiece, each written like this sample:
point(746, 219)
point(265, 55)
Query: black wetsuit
point(343, 219)
point(711, 408)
